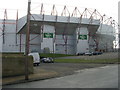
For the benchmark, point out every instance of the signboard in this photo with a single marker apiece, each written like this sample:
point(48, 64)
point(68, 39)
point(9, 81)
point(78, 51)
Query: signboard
point(48, 35)
point(82, 37)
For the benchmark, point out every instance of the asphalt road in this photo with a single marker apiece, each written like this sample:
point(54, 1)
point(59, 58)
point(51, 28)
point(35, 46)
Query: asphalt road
point(99, 77)
point(64, 69)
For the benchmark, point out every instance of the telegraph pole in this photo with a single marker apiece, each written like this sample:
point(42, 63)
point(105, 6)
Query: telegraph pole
point(119, 27)
point(27, 41)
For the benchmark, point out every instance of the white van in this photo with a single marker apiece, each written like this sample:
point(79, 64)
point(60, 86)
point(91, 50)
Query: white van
point(36, 58)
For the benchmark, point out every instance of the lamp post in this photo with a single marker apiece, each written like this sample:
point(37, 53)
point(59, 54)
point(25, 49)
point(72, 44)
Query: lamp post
point(27, 41)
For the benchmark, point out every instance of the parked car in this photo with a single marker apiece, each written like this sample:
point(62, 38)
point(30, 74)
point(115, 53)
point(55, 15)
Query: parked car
point(97, 53)
point(88, 53)
point(47, 60)
point(81, 54)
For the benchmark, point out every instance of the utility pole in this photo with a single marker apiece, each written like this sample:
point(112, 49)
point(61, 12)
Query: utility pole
point(119, 26)
point(27, 41)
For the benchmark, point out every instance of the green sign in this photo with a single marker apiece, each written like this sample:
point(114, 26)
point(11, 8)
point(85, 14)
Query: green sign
point(82, 37)
point(48, 35)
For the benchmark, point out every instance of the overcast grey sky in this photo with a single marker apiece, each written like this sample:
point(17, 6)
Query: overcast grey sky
point(108, 7)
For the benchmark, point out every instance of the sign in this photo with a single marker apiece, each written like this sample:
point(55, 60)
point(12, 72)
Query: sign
point(82, 37)
point(48, 35)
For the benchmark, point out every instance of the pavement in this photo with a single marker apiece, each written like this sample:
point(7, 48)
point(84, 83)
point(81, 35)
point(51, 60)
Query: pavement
point(49, 70)
point(39, 74)
point(105, 78)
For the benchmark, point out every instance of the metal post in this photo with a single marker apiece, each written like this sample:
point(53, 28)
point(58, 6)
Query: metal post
point(16, 26)
point(27, 41)
point(20, 41)
point(5, 17)
point(3, 31)
point(54, 35)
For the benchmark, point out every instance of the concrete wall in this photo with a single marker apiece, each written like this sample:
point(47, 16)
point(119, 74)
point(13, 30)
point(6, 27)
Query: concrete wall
point(13, 66)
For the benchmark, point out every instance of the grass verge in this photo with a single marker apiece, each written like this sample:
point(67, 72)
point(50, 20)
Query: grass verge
point(86, 61)
point(17, 55)
point(53, 55)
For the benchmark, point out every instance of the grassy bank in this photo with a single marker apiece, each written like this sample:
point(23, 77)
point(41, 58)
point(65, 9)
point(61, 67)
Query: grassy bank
point(53, 55)
point(41, 54)
point(86, 61)
point(64, 60)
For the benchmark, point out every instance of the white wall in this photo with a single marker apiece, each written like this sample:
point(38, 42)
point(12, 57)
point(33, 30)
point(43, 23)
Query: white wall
point(82, 45)
point(48, 42)
point(10, 38)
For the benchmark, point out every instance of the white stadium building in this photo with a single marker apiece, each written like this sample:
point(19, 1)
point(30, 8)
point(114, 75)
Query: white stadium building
point(62, 34)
